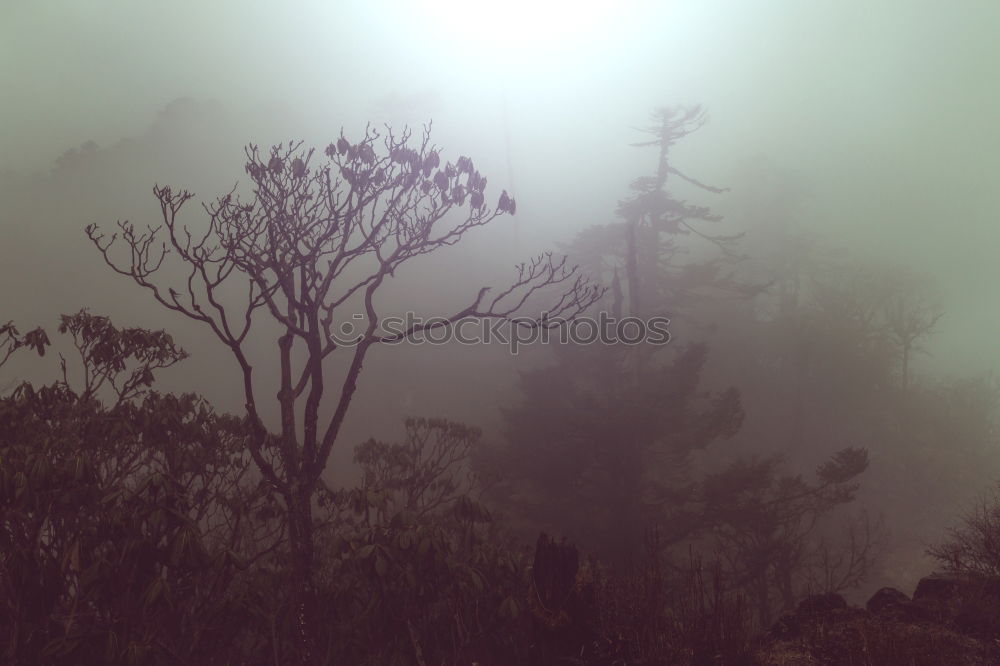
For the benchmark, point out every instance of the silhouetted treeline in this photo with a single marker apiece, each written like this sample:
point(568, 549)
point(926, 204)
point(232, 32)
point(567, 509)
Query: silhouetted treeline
point(694, 491)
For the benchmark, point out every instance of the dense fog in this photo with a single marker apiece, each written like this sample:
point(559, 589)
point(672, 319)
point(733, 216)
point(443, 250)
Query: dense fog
point(879, 117)
point(846, 156)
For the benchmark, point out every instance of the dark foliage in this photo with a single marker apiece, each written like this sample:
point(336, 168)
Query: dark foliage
point(122, 527)
point(598, 455)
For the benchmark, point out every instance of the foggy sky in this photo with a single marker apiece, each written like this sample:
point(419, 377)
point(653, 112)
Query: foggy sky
point(884, 112)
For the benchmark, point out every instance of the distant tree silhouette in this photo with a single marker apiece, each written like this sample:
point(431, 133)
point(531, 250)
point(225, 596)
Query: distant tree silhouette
point(593, 454)
point(765, 526)
point(909, 318)
point(311, 245)
point(828, 371)
point(647, 247)
point(600, 446)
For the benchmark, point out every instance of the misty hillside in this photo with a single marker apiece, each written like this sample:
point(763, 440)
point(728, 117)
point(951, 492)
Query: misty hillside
point(527, 333)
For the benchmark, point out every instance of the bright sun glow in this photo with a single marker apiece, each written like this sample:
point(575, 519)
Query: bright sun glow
point(513, 34)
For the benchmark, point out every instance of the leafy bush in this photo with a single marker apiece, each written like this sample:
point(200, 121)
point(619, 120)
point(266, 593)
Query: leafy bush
point(122, 528)
point(414, 570)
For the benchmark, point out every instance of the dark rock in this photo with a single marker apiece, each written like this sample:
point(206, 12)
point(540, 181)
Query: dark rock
point(950, 620)
point(967, 604)
point(939, 588)
point(885, 598)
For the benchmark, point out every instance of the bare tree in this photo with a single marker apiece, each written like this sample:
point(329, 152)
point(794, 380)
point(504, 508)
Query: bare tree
point(883, 306)
point(908, 319)
point(845, 561)
point(313, 245)
point(972, 546)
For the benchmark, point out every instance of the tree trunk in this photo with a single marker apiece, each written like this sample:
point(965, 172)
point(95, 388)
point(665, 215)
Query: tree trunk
point(632, 269)
point(906, 366)
point(300, 528)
